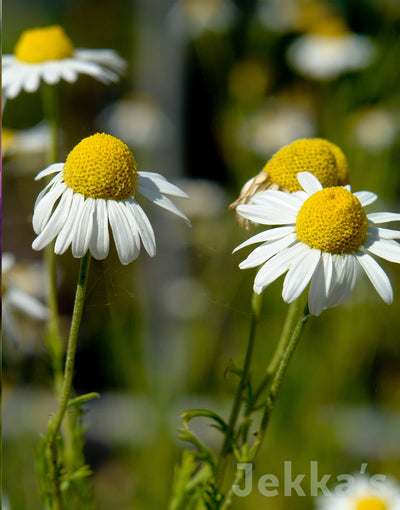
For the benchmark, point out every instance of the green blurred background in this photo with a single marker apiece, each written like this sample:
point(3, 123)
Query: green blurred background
point(206, 101)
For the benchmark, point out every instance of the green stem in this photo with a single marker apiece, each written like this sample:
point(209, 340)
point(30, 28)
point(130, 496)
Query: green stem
point(55, 423)
point(53, 337)
point(238, 400)
point(278, 379)
point(290, 320)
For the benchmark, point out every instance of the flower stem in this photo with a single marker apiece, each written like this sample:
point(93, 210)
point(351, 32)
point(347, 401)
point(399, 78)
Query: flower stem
point(53, 336)
point(278, 379)
point(238, 400)
point(290, 320)
point(56, 421)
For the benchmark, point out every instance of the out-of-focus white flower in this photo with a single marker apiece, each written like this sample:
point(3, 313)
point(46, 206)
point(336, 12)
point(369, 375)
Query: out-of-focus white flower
point(16, 299)
point(195, 17)
point(274, 126)
point(375, 129)
point(139, 121)
point(30, 141)
point(364, 493)
point(330, 50)
point(203, 191)
point(48, 54)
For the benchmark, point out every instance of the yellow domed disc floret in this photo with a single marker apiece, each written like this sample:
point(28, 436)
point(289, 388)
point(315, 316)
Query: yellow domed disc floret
point(101, 166)
point(343, 174)
point(371, 503)
point(312, 155)
point(42, 44)
point(332, 220)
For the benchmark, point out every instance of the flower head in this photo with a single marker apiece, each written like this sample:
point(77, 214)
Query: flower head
point(48, 54)
point(325, 235)
point(325, 160)
point(95, 187)
point(364, 493)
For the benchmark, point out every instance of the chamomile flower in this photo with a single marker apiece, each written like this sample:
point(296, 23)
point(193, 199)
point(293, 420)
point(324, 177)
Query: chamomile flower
point(364, 493)
point(94, 188)
point(325, 234)
point(48, 54)
point(322, 158)
point(329, 50)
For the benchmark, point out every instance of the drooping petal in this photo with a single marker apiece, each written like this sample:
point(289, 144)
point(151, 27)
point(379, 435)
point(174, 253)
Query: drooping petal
point(143, 226)
point(44, 207)
point(299, 275)
point(100, 238)
point(277, 265)
point(159, 199)
point(377, 276)
point(64, 238)
point(123, 237)
point(344, 279)
point(278, 199)
point(84, 228)
point(157, 182)
point(56, 221)
point(267, 235)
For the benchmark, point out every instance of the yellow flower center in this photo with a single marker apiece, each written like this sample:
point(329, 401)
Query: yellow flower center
point(313, 155)
point(42, 44)
point(101, 166)
point(371, 503)
point(343, 176)
point(332, 220)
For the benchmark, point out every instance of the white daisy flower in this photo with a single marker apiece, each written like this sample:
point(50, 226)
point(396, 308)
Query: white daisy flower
point(364, 493)
point(48, 54)
point(95, 188)
point(330, 51)
point(325, 235)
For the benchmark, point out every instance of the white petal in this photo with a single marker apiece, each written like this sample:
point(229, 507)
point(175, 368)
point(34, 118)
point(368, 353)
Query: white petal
point(300, 274)
point(92, 69)
point(64, 238)
point(277, 265)
point(383, 217)
point(377, 276)
point(26, 303)
point(267, 215)
point(144, 227)
point(123, 237)
point(365, 197)
point(266, 251)
point(100, 239)
point(56, 222)
point(55, 167)
point(51, 72)
point(44, 207)
point(33, 81)
point(84, 228)
point(157, 198)
point(69, 74)
point(344, 279)
point(267, 235)
point(383, 233)
point(157, 182)
point(309, 182)
point(384, 248)
point(106, 57)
